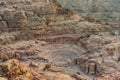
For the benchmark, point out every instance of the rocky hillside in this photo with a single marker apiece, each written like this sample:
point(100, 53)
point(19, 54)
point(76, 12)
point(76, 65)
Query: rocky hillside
point(49, 40)
point(106, 10)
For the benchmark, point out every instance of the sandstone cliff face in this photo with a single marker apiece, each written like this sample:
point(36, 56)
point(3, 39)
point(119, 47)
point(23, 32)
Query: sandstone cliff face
point(24, 17)
point(22, 14)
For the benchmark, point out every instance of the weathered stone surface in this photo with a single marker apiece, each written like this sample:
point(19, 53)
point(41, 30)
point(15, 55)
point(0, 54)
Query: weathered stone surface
point(15, 19)
point(113, 76)
point(3, 26)
point(1, 78)
point(14, 70)
point(22, 14)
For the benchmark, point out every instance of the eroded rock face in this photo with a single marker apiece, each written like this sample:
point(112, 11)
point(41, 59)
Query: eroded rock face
point(14, 70)
point(23, 14)
point(20, 14)
point(113, 76)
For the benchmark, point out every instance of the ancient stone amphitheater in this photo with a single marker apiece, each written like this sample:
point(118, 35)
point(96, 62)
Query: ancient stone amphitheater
point(44, 40)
